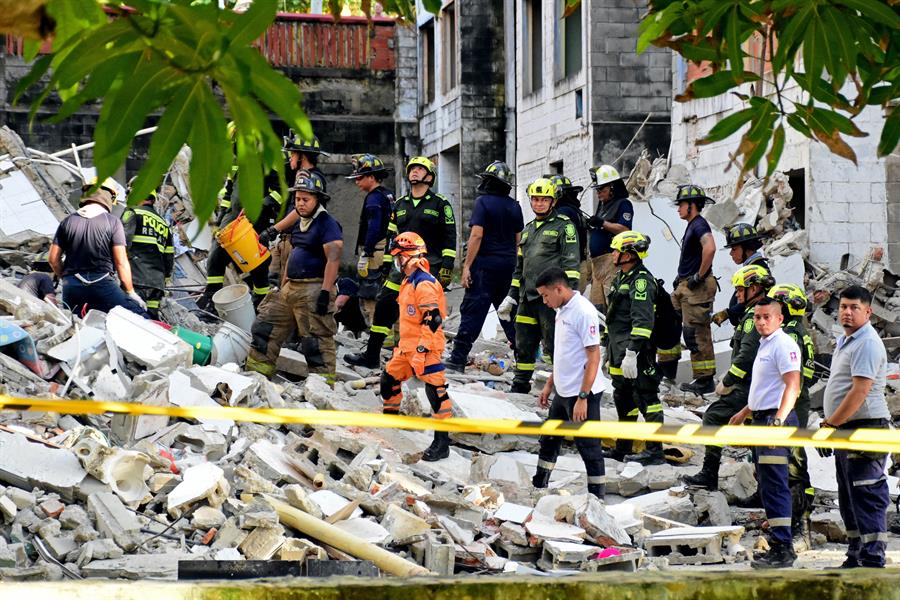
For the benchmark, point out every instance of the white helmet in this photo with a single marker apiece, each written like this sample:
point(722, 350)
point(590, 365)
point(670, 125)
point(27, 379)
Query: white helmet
point(603, 175)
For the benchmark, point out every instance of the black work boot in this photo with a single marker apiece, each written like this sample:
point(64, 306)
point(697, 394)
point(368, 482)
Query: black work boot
point(439, 448)
point(520, 387)
point(369, 360)
point(597, 489)
point(541, 478)
point(650, 456)
point(707, 479)
point(700, 386)
point(455, 366)
point(779, 556)
point(616, 454)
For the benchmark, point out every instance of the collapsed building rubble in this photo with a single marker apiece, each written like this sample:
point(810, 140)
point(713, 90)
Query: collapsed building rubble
point(136, 496)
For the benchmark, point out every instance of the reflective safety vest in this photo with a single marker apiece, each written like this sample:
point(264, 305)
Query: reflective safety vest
point(149, 245)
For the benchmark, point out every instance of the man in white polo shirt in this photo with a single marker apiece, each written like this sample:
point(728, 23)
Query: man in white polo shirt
point(774, 387)
point(576, 361)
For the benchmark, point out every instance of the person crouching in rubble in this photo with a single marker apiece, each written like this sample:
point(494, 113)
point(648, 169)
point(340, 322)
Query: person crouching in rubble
point(306, 302)
point(87, 249)
point(577, 392)
point(150, 248)
point(422, 311)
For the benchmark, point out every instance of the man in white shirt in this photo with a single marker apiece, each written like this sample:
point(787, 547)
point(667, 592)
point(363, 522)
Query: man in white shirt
point(774, 387)
point(576, 361)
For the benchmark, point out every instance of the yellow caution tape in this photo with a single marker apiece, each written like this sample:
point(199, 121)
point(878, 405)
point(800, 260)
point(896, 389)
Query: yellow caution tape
point(868, 440)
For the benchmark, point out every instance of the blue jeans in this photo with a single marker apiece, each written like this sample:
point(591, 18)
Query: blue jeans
point(489, 287)
point(102, 295)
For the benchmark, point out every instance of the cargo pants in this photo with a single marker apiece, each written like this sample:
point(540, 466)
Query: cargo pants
point(603, 271)
point(293, 308)
point(695, 307)
point(772, 477)
point(535, 322)
point(638, 396)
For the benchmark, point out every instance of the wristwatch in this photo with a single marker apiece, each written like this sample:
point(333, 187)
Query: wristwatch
point(583, 395)
point(776, 422)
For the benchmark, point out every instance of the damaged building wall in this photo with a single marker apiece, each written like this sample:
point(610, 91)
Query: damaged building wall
point(843, 206)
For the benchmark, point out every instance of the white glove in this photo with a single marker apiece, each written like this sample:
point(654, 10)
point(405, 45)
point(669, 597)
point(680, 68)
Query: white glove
point(134, 296)
point(722, 389)
point(604, 362)
point(629, 365)
point(504, 313)
point(362, 266)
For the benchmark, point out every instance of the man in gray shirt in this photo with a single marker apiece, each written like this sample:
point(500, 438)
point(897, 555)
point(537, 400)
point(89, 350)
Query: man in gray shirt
point(854, 399)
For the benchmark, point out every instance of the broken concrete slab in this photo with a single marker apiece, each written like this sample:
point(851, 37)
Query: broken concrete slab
point(712, 508)
point(114, 520)
point(138, 566)
point(145, 342)
point(512, 512)
point(565, 555)
point(262, 543)
point(695, 545)
point(330, 503)
point(28, 465)
point(366, 530)
point(403, 526)
point(207, 517)
point(182, 393)
point(831, 525)
point(737, 480)
point(204, 481)
point(543, 528)
point(599, 525)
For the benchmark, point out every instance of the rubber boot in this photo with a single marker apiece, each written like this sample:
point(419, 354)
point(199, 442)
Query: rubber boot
point(707, 478)
point(779, 556)
point(456, 367)
point(439, 448)
point(700, 386)
point(652, 455)
point(597, 489)
point(541, 478)
point(668, 370)
point(371, 356)
point(520, 387)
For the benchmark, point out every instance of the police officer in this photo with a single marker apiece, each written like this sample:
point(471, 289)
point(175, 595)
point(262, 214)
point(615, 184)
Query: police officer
point(430, 215)
point(550, 240)
point(306, 302)
point(150, 251)
point(793, 302)
point(418, 353)
point(694, 292)
point(628, 350)
point(743, 242)
point(751, 283)
point(374, 217)
point(497, 225)
point(613, 215)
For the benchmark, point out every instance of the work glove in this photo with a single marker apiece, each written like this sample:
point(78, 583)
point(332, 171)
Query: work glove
point(446, 277)
point(722, 389)
point(362, 266)
point(418, 361)
point(504, 313)
point(266, 237)
point(824, 452)
point(629, 365)
point(596, 222)
point(140, 301)
point(322, 302)
point(720, 317)
point(694, 281)
point(604, 361)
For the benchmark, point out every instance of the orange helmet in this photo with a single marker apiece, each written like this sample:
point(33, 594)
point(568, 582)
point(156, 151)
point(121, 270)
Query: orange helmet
point(409, 244)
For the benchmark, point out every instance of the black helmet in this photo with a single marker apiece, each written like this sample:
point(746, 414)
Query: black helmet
point(312, 182)
point(296, 143)
point(564, 185)
point(366, 164)
point(741, 233)
point(692, 193)
point(500, 171)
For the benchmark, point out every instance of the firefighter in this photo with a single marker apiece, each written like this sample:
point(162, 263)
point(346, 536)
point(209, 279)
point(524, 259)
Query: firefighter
point(744, 243)
point(793, 302)
point(150, 250)
point(614, 215)
point(693, 293)
point(751, 283)
point(418, 354)
point(496, 224)
point(429, 215)
point(374, 218)
point(569, 204)
point(550, 240)
point(306, 302)
point(628, 351)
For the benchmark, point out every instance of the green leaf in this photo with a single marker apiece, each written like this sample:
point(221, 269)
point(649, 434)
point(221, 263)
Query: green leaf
point(210, 154)
point(432, 6)
point(876, 10)
point(37, 71)
point(890, 134)
point(827, 46)
point(733, 40)
point(716, 84)
point(94, 50)
point(775, 151)
point(30, 50)
point(797, 122)
point(655, 24)
point(834, 121)
point(789, 39)
point(812, 60)
point(712, 18)
point(822, 91)
point(275, 90)
point(171, 133)
point(74, 16)
point(728, 126)
point(250, 25)
point(845, 46)
point(101, 80)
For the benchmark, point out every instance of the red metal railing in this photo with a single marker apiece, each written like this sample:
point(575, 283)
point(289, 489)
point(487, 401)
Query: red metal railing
point(313, 41)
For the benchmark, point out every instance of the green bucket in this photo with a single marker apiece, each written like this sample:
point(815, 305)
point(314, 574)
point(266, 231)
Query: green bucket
point(202, 344)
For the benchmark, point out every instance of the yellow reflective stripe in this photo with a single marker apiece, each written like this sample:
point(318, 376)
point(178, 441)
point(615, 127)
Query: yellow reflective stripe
point(519, 251)
point(516, 283)
point(780, 522)
point(152, 303)
point(703, 364)
point(276, 195)
point(737, 372)
point(615, 370)
point(151, 215)
point(633, 412)
point(655, 408)
point(449, 253)
point(573, 274)
point(387, 258)
point(640, 332)
point(769, 459)
point(169, 250)
point(147, 239)
point(215, 279)
point(526, 320)
point(392, 286)
point(676, 351)
point(392, 227)
point(808, 373)
point(259, 291)
point(380, 329)
point(525, 366)
point(810, 491)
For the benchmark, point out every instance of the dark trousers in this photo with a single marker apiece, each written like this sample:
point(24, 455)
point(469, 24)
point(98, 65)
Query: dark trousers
point(772, 478)
point(639, 396)
point(103, 295)
point(535, 322)
point(798, 467)
point(152, 296)
point(590, 449)
point(216, 263)
point(863, 497)
point(488, 288)
point(718, 414)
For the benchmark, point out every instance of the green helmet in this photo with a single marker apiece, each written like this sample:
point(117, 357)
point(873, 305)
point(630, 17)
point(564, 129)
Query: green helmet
point(425, 163)
point(543, 187)
point(752, 275)
point(500, 171)
point(631, 241)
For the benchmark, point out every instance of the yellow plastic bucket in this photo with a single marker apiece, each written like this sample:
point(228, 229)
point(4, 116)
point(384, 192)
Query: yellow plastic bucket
point(241, 242)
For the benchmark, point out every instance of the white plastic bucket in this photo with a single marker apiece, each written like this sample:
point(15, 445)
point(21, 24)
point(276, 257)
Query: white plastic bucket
point(230, 345)
point(233, 303)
